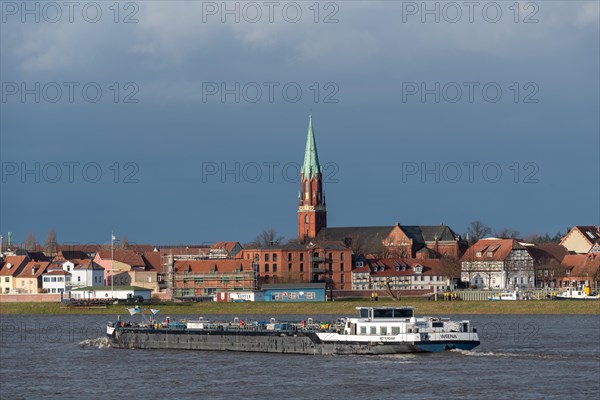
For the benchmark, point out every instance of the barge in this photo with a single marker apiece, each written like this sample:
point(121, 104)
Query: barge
point(376, 330)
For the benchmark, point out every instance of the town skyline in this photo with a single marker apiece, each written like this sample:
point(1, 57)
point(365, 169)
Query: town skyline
point(312, 168)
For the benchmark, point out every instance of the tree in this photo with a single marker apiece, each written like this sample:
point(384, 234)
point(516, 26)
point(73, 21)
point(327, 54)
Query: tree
point(507, 233)
point(51, 245)
point(268, 237)
point(452, 267)
point(30, 243)
point(477, 230)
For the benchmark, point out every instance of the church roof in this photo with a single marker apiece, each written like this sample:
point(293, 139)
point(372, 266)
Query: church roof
point(311, 166)
point(429, 233)
point(367, 235)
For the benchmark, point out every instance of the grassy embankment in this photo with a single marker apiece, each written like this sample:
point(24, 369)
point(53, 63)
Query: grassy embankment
point(340, 307)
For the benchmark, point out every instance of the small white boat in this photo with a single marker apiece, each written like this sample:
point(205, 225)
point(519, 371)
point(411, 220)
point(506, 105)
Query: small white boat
point(505, 295)
point(576, 294)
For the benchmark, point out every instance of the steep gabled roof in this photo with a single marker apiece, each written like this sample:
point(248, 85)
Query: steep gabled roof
point(429, 233)
point(370, 236)
point(500, 249)
point(589, 232)
point(128, 257)
point(153, 261)
point(582, 265)
point(13, 265)
point(38, 266)
point(227, 246)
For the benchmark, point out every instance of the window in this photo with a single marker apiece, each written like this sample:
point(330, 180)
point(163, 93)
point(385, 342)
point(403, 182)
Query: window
point(301, 267)
point(290, 267)
point(342, 256)
point(363, 330)
point(395, 330)
point(331, 256)
point(274, 257)
point(478, 254)
point(342, 278)
point(78, 279)
point(341, 266)
point(266, 257)
point(266, 267)
point(330, 267)
point(383, 330)
point(289, 256)
point(301, 256)
point(7, 279)
point(274, 267)
point(373, 330)
point(306, 220)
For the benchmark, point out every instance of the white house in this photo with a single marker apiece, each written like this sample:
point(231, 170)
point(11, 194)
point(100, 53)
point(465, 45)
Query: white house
point(56, 281)
point(85, 273)
point(498, 264)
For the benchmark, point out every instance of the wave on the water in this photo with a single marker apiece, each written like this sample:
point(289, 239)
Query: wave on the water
point(485, 353)
point(545, 355)
point(100, 343)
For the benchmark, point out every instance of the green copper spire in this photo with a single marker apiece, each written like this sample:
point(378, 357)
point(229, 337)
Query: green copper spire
point(311, 166)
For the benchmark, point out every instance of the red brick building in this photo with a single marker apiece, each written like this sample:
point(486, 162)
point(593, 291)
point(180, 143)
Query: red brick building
point(329, 262)
point(312, 212)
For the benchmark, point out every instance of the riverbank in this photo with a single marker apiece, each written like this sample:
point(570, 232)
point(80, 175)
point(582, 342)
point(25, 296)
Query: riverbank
point(340, 307)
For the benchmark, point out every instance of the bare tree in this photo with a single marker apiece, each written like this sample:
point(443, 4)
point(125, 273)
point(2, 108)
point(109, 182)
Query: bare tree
point(30, 243)
point(124, 243)
point(477, 230)
point(268, 237)
point(507, 233)
point(452, 268)
point(51, 245)
point(388, 289)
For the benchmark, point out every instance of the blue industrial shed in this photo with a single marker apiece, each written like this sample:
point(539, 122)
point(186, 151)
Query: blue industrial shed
point(290, 292)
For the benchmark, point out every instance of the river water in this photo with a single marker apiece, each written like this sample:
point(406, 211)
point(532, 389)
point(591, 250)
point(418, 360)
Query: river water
point(520, 357)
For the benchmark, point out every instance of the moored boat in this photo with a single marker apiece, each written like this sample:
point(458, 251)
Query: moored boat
point(505, 295)
point(581, 293)
point(376, 330)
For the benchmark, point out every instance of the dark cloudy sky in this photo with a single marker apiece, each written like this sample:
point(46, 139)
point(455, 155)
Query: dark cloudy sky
point(185, 122)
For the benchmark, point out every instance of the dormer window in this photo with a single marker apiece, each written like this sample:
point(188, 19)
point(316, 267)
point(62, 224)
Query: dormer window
point(490, 253)
point(418, 269)
point(478, 254)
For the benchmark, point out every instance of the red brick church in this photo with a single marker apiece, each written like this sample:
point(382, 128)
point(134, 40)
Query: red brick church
point(406, 241)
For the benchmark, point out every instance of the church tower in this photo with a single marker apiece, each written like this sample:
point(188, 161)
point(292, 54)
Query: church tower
point(312, 214)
